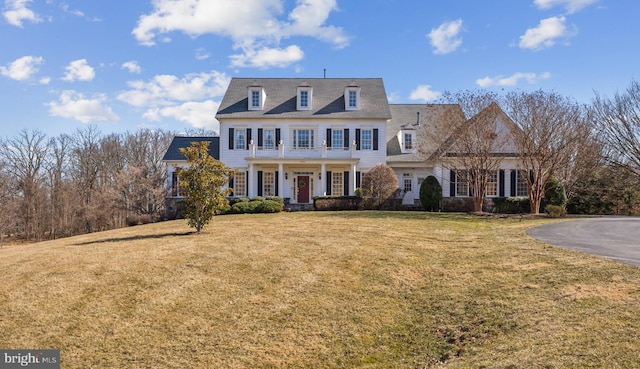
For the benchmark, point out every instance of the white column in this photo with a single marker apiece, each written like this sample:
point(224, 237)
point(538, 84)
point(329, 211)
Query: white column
point(352, 174)
point(281, 180)
point(323, 180)
point(251, 186)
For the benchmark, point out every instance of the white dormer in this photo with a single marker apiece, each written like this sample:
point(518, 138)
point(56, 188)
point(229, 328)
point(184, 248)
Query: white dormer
point(256, 97)
point(304, 99)
point(352, 98)
point(407, 138)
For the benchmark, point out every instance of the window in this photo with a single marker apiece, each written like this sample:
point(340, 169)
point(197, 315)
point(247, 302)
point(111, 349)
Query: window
point(175, 186)
point(522, 188)
point(255, 99)
point(408, 141)
point(352, 98)
point(240, 183)
point(336, 183)
point(269, 184)
point(366, 139)
point(407, 179)
point(240, 139)
point(269, 139)
point(337, 138)
point(305, 94)
point(304, 99)
point(303, 139)
point(462, 184)
point(492, 184)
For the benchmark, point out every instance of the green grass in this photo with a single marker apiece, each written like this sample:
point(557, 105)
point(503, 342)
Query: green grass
point(321, 289)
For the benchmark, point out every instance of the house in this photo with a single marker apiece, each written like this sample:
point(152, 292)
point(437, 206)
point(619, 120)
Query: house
point(298, 138)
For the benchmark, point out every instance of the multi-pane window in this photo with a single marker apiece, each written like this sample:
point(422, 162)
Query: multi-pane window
point(462, 183)
point(522, 188)
point(255, 99)
point(240, 139)
point(175, 186)
point(353, 99)
point(269, 184)
point(407, 180)
point(366, 139)
point(336, 138)
point(492, 184)
point(269, 139)
point(337, 183)
point(240, 183)
point(408, 141)
point(303, 139)
point(304, 99)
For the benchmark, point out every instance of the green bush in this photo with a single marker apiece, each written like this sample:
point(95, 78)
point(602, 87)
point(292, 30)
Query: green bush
point(269, 206)
point(511, 205)
point(258, 198)
point(244, 207)
point(237, 200)
point(277, 199)
point(430, 194)
point(257, 204)
point(554, 193)
point(556, 211)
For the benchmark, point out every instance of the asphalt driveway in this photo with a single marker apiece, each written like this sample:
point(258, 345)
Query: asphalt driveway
point(616, 238)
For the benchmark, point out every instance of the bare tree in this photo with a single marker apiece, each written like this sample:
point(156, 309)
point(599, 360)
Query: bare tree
point(618, 122)
point(472, 150)
point(552, 128)
point(379, 184)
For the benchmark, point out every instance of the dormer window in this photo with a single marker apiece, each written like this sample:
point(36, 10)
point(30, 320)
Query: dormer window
point(352, 98)
point(305, 94)
point(408, 141)
point(407, 138)
point(256, 98)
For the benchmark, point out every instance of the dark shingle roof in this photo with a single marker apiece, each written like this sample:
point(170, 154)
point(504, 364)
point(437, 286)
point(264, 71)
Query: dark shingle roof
point(404, 116)
point(173, 154)
point(328, 98)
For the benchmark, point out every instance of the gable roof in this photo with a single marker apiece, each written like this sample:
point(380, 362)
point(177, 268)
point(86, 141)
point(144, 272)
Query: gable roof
point(173, 152)
point(405, 117)
point(328, 98)
point(505, 131)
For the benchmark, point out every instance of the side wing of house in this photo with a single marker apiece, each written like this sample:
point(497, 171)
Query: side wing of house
point(300, 138)
point(174, 159)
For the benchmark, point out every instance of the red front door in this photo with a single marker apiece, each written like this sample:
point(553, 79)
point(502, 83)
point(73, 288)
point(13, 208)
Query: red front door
point(303, 189)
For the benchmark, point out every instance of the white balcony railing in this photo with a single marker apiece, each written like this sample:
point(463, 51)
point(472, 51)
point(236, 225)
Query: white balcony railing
point(283, 151)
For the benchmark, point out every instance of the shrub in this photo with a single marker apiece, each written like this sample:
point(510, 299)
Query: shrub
point(244, 207)
point(336, 202)
point(269, 206)
point(238, 199)
point(511, 205)
point(430, 194)
point(556, 211)
point(554, 193)
point(258, 198)
point(379, 184)
point(277, 199)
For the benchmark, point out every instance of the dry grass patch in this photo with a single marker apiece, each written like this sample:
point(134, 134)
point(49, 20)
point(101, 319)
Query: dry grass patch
point(345, 289)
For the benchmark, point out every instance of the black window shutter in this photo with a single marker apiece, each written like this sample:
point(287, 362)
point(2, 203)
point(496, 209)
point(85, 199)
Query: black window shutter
point(513, 183)
point(260, 132)
point(375, 139)
point(248, 137)
point(174, 184)
point(231, 138)
point(277, 136)
point(276, 184)
point(259, 183)
point(328, 137)
point(357, 138)
point(501, 183)
point(346, 139)
point(531, 176)
point(328, 179)
point(345, 181)
point(231, 182)
point(358, 179)
point(452, 183)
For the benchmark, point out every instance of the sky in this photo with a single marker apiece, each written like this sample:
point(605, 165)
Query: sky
point(165, 64)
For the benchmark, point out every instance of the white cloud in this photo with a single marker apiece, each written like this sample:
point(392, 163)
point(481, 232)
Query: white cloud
point(76, 106)
point(22, 69)
point(132, 66)
point(545, 34)
point(197, 114)
point(571, 6)
point(16, 11)
point(202, 54)
point(267, 57)
point(167, 89)
point(512, 80)
point(45, 80)
point(79, 70)
point(444, 39)
point(424, 93)
point(256, 27)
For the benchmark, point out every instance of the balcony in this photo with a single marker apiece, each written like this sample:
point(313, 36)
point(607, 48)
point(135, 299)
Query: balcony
point(291, 152)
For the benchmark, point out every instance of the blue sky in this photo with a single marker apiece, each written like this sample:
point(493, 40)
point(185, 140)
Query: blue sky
point(124, 65)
